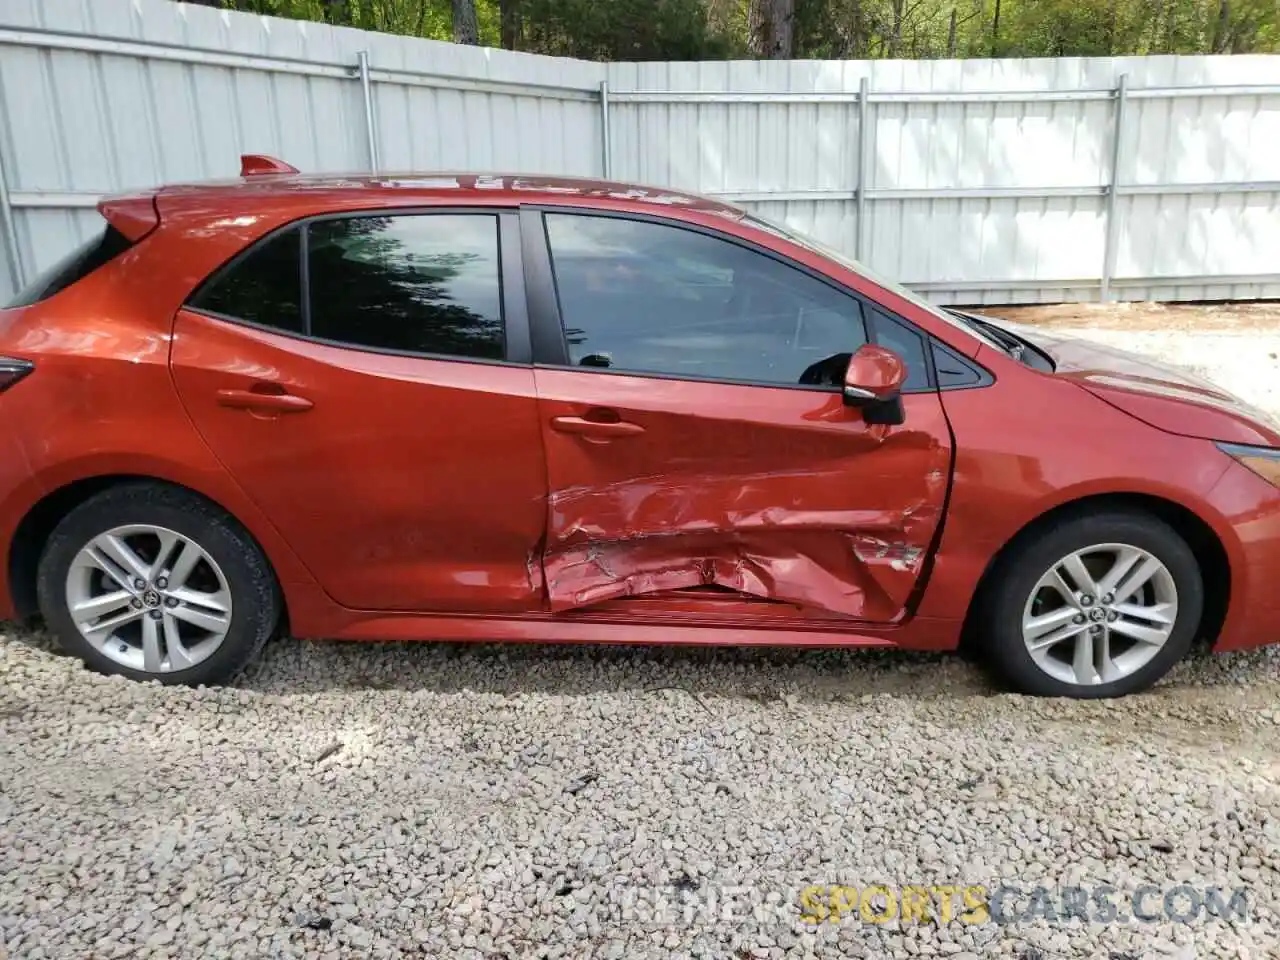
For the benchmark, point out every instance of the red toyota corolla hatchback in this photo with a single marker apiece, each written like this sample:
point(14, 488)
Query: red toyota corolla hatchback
point(527, 408)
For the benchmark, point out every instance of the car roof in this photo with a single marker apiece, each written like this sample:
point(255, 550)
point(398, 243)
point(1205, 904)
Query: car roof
point(451, 187)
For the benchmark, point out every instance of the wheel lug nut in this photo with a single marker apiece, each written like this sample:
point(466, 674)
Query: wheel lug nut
point(1078, 618)
point(139, 584)
point(1086, 600)
point(155, 614)
point(162, 583)
point(171, 602)
point(1112, 617)
point(1095, 629)
point(135, 603)
point(1108, 599)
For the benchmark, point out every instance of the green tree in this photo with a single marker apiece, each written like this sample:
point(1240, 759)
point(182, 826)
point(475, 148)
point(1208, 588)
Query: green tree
point(835, 29)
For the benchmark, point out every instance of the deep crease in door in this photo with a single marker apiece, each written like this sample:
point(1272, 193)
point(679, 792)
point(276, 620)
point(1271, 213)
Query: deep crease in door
point(846, 532)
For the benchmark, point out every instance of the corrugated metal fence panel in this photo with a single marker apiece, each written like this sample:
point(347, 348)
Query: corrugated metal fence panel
point(1201, 140)
point(733, 148)
point(550, 126)
point(973, 200)
point(74, 124)
point(742, 150)
point(988, 145)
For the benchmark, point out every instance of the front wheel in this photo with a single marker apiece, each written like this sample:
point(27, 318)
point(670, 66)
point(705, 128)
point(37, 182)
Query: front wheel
point(155, 583)
point(1092, 606)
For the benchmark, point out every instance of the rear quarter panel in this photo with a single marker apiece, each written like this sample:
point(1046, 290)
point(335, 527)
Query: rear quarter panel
point(101, 401)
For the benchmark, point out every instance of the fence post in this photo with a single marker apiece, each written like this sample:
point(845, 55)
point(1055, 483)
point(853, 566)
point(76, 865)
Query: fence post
point(606, 153)
point(12, 256)
point(1111, 224)
point(370, 128)
point(864, 115)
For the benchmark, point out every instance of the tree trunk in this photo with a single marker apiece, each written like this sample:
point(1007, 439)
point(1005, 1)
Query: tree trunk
point(1221, 24)
point(465, 27)
point(771, 27)
point(509, 17)
point(951, 35)
point(895, 41)
point(1154, 46)
point(995, 30)
point(859, 32)
point(336, 11)
point(1111, 28)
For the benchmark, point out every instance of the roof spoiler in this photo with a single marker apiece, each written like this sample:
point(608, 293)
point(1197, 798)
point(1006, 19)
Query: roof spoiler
point(259, 164)
point(134, 215)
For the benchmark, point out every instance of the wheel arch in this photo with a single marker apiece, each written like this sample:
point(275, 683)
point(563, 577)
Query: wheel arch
point(1211, 556)
point(36, 526)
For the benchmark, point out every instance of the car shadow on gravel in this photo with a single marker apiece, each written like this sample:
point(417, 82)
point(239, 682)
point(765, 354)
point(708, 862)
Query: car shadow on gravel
point(761, 673)
point(289, 666)
point(756, 672)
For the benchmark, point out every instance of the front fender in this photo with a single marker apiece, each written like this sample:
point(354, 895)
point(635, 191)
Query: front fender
point(1031, 444)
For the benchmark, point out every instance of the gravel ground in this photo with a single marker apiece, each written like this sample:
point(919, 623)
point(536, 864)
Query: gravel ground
point(486, 802)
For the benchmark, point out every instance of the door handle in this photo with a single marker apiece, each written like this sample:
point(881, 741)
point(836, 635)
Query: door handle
point(263, 402)
point(595, 428)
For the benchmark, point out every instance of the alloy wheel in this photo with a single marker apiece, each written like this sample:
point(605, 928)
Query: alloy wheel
point(149, 598)
point(1100, 614)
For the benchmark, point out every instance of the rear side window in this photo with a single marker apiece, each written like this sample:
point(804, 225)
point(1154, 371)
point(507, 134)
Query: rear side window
point(417, 283)
point(423, 283)
point(262, 287)
point(103, 246)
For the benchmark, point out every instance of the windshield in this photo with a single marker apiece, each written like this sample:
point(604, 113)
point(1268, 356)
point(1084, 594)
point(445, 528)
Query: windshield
point(863, 270)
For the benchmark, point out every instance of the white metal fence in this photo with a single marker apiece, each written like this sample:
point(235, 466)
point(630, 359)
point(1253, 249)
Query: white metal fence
point(974, 181)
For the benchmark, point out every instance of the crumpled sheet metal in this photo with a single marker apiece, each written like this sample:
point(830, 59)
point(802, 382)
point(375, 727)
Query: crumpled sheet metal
point(792, 536)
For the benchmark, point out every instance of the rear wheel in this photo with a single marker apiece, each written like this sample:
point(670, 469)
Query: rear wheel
point(155, 583)
point(1092, 606)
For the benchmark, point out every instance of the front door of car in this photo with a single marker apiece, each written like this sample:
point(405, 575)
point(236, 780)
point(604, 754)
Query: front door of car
point(695, 431)
point(353, 375)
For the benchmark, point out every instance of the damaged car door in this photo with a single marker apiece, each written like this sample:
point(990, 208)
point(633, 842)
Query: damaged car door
point(695, 431)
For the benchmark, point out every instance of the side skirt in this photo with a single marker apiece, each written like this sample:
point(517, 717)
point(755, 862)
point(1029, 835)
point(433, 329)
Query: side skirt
point(920, 634)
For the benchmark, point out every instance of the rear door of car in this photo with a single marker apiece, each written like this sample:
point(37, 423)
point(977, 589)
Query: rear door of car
point(366, 380)
point(695, 433)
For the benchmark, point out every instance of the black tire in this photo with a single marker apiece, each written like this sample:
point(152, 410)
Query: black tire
point(256, 602)
point(999, 627)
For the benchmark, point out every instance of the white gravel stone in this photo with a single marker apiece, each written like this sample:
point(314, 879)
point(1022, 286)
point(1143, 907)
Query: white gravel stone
point(494, 802)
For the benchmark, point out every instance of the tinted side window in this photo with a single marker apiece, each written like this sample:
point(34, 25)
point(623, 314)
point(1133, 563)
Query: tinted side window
point(73, 267)
point(647, 297)
point(425, 283)
point(264, 286)
point(907, 344)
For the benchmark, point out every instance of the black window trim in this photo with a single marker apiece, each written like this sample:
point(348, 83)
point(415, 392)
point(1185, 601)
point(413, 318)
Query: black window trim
point(511, 281)
point(548, 341)
point(550, 348)
point(304, 274)
point(982, 376)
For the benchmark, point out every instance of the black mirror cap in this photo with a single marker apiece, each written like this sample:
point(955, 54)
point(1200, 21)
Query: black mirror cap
point(878, 410)
point(889, 412)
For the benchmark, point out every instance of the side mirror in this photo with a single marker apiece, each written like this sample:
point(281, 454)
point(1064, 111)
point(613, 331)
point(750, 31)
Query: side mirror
point(873, 382)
